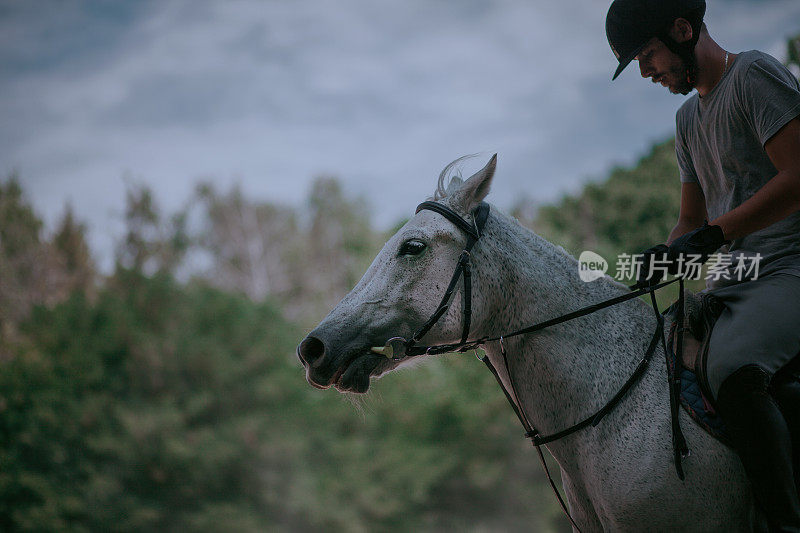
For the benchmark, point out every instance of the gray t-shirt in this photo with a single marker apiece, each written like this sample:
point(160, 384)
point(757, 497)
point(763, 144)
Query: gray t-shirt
point(720, 145)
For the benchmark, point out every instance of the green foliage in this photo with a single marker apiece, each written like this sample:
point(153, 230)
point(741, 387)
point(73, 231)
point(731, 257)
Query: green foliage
point(793, 54)
point(20, 250)
point(149, 404)
point(630, 211)
point(433, 450)
point(159, 406)
point(32, 270)
point(633, 209)
point(340, 242)
point(140, 411)
point(20, 226)
point(151, 244)
point(70, 245)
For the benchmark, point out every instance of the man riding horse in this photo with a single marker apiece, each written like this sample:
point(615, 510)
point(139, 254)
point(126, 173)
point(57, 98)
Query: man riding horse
point(738, 149)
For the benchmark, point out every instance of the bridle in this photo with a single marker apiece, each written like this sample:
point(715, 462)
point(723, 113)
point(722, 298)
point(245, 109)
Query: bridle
point(399, 348)
point(463, 267)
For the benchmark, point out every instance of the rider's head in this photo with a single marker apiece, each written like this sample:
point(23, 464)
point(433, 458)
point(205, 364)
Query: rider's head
point(661, 34)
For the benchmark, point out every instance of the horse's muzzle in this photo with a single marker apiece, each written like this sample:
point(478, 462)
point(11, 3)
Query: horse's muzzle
point(311, 352)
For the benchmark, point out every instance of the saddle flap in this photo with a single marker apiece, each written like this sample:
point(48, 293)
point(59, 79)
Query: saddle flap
point(700, 312)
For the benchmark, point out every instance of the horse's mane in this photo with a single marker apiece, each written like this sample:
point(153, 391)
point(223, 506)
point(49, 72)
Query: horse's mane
point(450, 180)
point(451, 174)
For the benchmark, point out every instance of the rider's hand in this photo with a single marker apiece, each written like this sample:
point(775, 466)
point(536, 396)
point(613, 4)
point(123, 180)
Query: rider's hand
point(701, 242)
point(647, 278)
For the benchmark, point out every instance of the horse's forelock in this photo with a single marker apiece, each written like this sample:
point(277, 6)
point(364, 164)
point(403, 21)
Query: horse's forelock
point(450, 179)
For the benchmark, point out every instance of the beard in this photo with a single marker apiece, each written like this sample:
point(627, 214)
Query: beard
point(685, 74)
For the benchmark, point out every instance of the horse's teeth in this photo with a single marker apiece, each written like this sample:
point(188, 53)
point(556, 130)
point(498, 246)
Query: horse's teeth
point(378, 349)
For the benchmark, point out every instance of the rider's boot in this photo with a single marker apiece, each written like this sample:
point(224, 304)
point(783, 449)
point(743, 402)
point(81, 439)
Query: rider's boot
point(761, 436)
point(787, 394)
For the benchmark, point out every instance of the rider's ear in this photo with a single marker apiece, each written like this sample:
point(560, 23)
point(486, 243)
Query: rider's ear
point(681, 30)
point(475, 189)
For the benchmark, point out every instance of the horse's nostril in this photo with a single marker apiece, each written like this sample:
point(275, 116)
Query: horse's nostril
point(310, 350)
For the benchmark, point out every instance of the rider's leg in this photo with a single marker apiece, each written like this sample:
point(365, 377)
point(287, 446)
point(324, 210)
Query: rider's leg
point(756, 336)
point(786, 391)
point(761, 436)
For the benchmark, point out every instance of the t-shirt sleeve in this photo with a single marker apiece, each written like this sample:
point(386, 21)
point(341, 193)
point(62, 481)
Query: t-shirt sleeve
point(771, 97)
point(685, 163)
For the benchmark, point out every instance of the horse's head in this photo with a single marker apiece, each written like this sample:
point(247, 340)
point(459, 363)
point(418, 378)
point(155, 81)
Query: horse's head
point(398, 293)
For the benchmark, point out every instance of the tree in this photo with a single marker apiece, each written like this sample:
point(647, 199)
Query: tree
point(629, 211)
point(336, 247)
point(247, 242)
point(151, 245)
point(143, 410)
point(29, 273)
point(793, 54)
point(76, 261)
point(266, 250)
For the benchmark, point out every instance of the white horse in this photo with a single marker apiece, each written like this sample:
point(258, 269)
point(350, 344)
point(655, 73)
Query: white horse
point(617, 476)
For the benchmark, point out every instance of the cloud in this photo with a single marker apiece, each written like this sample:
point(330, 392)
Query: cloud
point(382, 94)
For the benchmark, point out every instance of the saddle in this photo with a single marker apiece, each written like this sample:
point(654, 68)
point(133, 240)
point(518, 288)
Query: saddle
point(701, 311)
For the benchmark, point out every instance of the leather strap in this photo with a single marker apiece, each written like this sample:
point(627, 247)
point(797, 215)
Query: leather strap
point(436, 349)
point(464, 267)
point(532, 433)
point(680, 449)
point(538, 441)
point(470, 229)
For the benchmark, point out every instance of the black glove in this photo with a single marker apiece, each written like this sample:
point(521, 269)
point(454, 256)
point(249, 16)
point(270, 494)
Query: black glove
point(645, 277)
point(702, 242)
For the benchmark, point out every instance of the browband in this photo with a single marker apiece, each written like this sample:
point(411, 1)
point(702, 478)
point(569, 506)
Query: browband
point(480, 214)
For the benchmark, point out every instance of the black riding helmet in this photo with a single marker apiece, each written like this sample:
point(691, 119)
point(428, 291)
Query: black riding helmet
point(630, 24)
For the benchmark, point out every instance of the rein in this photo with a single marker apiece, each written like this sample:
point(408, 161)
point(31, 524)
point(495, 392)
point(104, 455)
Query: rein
point(398, 347)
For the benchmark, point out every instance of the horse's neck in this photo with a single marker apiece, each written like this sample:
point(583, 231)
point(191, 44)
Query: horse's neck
point(567, 372)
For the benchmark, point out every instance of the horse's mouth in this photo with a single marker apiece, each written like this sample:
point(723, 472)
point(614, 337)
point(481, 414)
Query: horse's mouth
point(355, 376)
point(354, 373)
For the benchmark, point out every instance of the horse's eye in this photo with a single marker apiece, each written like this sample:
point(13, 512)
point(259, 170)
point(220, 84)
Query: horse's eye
point(412, 247)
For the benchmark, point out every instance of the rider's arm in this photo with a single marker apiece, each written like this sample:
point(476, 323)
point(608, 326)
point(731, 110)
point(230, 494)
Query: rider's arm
point(779, 197)
point(693, 210)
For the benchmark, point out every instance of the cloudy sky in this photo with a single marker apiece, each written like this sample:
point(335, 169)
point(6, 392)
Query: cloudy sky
point(95, 95)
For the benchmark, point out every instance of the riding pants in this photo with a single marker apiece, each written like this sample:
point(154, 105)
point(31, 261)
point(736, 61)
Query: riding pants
point(760, 325)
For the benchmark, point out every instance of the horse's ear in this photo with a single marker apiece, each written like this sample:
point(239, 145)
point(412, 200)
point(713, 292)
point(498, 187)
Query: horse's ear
point(475, 189)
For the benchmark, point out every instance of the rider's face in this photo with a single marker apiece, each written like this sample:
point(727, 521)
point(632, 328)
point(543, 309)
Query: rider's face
point(661, 65)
